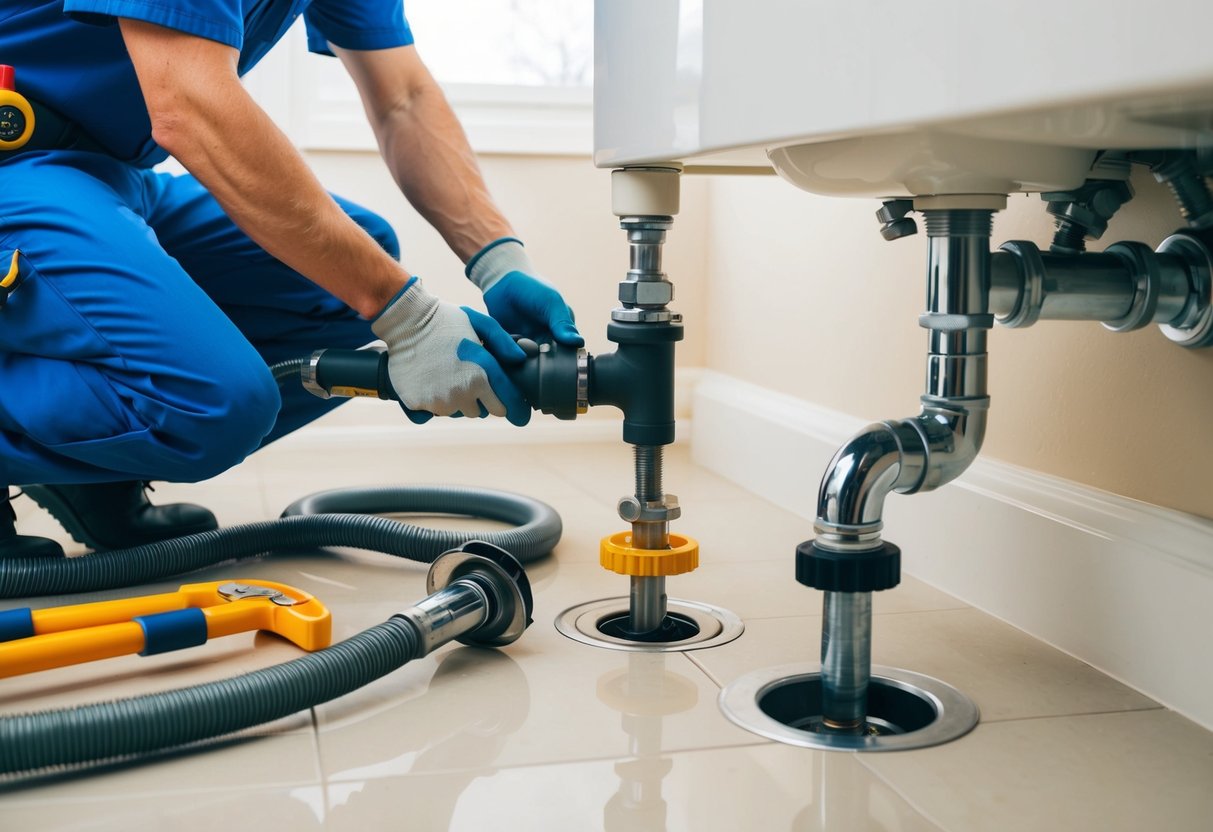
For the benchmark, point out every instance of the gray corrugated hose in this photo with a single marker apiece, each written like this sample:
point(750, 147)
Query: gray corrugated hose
point(149, 723)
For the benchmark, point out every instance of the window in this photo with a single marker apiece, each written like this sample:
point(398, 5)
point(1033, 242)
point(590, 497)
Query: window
point(517, 72)
point(540, 43)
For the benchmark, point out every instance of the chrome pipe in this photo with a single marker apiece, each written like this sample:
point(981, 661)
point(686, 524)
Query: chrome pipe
point(924, 452)
point(1028, 285)
point(647, 604)
point(846, 659)
point(952, 433)
point(850, 501)
point(449, 613)
point(911, 455)
point(645, 249)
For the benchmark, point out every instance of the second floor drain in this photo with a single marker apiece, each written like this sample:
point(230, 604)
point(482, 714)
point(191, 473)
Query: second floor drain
point(905, 709)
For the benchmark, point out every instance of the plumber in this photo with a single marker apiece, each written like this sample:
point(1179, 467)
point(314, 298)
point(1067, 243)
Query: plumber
point(141, 309)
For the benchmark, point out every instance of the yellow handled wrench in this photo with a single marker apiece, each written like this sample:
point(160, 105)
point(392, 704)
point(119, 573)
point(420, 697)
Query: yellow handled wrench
point(33, 640)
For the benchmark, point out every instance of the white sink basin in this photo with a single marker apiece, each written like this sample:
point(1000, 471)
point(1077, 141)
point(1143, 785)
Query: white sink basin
point(884, 98)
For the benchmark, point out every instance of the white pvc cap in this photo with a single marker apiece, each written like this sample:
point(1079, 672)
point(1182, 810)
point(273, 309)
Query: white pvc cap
point(645, 192)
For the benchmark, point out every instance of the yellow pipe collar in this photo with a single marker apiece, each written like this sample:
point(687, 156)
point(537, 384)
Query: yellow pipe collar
point(618, 555)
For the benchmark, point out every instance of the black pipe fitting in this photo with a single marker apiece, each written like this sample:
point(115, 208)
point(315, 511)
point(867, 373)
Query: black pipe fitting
point(548, 377)
point(852, 571)
point(638, 378)
point(346, 373)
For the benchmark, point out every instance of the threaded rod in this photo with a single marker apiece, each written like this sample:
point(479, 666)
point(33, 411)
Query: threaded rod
point(647, 601)
point(1190, 189)
point(648, 471)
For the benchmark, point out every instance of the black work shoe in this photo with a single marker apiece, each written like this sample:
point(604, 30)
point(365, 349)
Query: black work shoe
point(13, 545)
point(117, 515)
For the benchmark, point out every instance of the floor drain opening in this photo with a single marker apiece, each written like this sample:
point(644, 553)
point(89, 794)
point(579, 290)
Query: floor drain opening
point(674, 627)
point(688, 625)
point(891, 709)
point(905, 710)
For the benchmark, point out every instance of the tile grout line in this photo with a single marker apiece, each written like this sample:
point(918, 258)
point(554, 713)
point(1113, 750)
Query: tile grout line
point(922, 813)
point(1111, 712)
point(322, 779)
point(931, 819)
point(703, 668)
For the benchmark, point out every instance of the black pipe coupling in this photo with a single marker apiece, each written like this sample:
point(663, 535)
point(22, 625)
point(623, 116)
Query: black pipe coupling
point(562, 381)
point(869, 570)
point(638, 378)
point(554, 378)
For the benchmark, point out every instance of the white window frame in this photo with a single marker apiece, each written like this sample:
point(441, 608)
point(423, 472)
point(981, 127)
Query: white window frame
point(315, 102)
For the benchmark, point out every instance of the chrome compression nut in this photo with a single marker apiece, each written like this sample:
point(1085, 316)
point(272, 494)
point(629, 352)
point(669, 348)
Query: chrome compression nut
point(645, 316)
point(649, 511)
point(646, 292)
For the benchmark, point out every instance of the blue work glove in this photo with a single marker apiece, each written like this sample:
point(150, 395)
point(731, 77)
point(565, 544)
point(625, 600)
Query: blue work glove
point(519, 301)
point(443, 360)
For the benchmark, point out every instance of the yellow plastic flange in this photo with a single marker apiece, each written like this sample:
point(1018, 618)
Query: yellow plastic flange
point(18, 102)
point(618, 555)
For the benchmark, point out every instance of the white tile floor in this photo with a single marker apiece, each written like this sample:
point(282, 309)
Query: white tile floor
point(549, 734)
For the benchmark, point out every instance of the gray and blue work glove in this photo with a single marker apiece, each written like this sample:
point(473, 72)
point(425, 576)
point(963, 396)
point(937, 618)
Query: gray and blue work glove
point(519, 301)
point(443, 360)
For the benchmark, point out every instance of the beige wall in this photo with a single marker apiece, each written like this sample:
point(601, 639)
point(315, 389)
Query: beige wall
point(805, 297)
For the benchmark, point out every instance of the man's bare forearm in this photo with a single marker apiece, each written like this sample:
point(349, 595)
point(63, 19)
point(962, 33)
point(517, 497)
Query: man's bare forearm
point(220, 135)
point(426, 149)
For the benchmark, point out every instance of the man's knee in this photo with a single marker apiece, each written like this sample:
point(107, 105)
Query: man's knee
point(234, 410)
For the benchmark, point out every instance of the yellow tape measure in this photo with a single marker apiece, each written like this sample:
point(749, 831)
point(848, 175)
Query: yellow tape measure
point(16, 114)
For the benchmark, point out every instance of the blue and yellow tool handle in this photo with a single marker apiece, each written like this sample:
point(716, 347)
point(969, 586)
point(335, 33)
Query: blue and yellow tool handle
point(33, 640)
point(147, 636)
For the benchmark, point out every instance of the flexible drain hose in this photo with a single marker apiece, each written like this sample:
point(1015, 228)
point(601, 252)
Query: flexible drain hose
point(537, 525)
point(536, 536)
point(143, 724)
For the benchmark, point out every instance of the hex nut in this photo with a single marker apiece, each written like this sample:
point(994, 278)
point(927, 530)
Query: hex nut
point(651, 511)
point(646, 292)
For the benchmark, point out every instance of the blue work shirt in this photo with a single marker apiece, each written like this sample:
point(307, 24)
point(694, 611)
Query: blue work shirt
point(70, 56)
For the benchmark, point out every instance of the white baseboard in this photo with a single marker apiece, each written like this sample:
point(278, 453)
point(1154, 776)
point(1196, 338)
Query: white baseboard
point(1122, 585)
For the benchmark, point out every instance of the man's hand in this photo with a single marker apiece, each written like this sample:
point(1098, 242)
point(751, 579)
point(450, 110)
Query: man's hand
point(438, 365)
point(518, 300)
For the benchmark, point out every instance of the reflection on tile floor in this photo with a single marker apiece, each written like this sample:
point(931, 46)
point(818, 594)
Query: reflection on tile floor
point(550, 734)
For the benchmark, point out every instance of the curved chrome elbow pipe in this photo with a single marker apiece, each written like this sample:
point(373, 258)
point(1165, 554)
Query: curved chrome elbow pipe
point(953, 432)
point(933, 448)
point(876, 461)
point(918, 454)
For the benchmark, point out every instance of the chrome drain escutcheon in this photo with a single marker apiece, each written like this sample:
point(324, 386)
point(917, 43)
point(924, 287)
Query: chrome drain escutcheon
point(905, 709)
point(691, 626)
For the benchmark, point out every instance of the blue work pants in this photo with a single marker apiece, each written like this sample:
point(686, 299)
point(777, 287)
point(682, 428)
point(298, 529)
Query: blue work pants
point(137, 345)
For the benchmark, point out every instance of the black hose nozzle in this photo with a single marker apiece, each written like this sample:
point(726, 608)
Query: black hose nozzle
point(348, 373)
